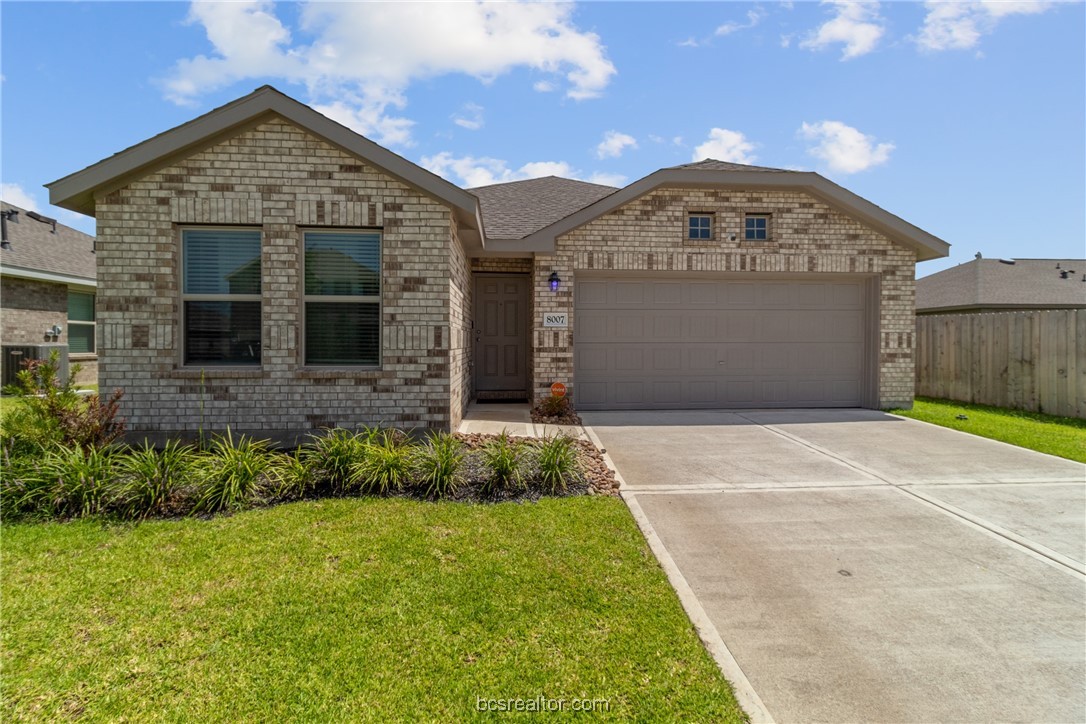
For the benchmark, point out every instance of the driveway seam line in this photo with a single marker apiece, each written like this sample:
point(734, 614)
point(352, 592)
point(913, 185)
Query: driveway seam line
point(710, 637)
point(1054, 558)
point(1036, 550)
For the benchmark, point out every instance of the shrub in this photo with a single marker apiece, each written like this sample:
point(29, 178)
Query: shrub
point(503, 457)
point(293, 476)
point(335, 454)
point(438, 464)
point(386, 465)
point(53, 412)
point(232, 473)
point(22, 488)
point(554, 406)
point(557, 462)
point(72, 481)
point(155, 482)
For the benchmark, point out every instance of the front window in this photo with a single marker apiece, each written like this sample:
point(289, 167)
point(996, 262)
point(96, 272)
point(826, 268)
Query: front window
point(220, 295)
point(756, 227)
point(80, 323)
point(342, 298)
point(699, 227)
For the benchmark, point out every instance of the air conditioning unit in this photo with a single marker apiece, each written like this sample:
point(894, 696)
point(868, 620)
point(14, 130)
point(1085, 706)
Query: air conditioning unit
point(14, 356)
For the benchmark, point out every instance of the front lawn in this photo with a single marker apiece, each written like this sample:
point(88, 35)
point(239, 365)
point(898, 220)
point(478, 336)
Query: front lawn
point(344, 609)
point(1062, 436)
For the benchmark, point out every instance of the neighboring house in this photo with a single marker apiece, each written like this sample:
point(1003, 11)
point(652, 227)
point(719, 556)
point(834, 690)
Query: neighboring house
point(999, 285)
point(707, 285)
point(47, 287)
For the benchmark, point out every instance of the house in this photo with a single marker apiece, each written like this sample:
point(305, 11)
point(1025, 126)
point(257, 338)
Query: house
point(705, 285)
point(47, 288)
point(1004, 285)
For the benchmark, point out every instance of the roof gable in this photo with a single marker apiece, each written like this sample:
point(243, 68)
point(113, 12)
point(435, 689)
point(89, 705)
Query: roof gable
point(77, 191)
point(720, 174)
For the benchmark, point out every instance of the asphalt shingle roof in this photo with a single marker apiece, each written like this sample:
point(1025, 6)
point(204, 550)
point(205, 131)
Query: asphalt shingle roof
point(35, 246)
point(983, 283)
point(711, 164)
point(516, 209)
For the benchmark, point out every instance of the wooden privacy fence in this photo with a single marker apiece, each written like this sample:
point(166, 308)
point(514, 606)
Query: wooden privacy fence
point(1025, 360)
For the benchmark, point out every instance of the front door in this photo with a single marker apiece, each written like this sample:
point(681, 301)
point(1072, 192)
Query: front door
point(501, 335)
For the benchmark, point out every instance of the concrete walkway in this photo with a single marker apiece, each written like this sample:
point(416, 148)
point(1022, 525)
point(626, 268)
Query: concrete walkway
point(862, 567)
point(515, 418)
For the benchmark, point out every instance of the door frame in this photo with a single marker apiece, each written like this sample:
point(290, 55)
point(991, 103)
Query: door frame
point(476, 334)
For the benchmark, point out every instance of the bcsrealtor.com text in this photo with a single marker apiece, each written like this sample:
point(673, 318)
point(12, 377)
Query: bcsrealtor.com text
point(542, 704)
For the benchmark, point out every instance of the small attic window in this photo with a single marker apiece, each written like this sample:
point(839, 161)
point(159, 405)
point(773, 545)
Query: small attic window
point(756, 227)
point(699, 226)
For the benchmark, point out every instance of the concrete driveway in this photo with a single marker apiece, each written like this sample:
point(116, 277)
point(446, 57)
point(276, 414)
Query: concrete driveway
point(862, 567)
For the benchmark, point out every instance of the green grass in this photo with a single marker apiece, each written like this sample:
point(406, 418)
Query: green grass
point(7, 402)
point(1062, 436)
point(345, 609)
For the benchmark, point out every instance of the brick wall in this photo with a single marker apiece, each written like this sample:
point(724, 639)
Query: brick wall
point(29, 308)
point(277, 178)
point(649, 235)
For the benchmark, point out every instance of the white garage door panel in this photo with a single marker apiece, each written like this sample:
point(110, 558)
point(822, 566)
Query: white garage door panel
point(647, 343)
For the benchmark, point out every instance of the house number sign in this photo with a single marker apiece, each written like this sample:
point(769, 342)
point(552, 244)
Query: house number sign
point(555, 320)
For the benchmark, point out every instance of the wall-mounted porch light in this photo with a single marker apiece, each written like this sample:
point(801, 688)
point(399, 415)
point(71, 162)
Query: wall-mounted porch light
point(555, 281)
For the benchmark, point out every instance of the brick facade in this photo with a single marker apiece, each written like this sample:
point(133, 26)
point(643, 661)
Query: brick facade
point(29, 308)
point(279, 179)
point(808, 237)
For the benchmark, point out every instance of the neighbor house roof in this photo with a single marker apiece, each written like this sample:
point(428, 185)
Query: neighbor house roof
point(1007, 284)
point(711, 173)
point(42, 248)
point(77, 191)
point(518, 208)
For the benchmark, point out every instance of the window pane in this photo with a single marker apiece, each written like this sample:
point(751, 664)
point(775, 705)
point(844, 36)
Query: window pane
point(226, 333)
point(222, 261)
point(343, 264)
point(342, 333)
point(80, 338)
point(80, 307)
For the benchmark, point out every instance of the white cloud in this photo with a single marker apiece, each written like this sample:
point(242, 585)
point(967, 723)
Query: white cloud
point(855, 25)
point(614, 143)
point(470, 117)
point(844, 148)
point(607, 179)
point(725, 145)
point(18, 196)
point(359, 58)
point(960, 25)
point(474, 171)
point(754, 17)
point(544, 86)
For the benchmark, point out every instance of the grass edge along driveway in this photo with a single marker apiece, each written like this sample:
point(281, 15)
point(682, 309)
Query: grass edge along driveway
point(370, 609)
point(1064, 437)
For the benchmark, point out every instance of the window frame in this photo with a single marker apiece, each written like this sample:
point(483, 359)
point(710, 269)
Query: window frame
point(93, 323)
point(377, 299)
point(711, 216)
point(184, 297)
point(768, 216)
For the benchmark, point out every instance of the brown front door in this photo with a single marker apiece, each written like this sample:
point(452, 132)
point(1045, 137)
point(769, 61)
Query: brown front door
point(501, 333)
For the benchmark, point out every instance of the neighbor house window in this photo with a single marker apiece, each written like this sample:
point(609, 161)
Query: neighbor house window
point(342, 298)
point(80, 322)
point(756, 227)
point(220, 296)
point(699, 227)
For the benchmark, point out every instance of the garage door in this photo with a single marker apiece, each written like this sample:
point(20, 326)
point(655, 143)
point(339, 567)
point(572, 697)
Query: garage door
point(665, 343)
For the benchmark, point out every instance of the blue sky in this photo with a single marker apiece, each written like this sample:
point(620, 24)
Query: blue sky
point(965, 118)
